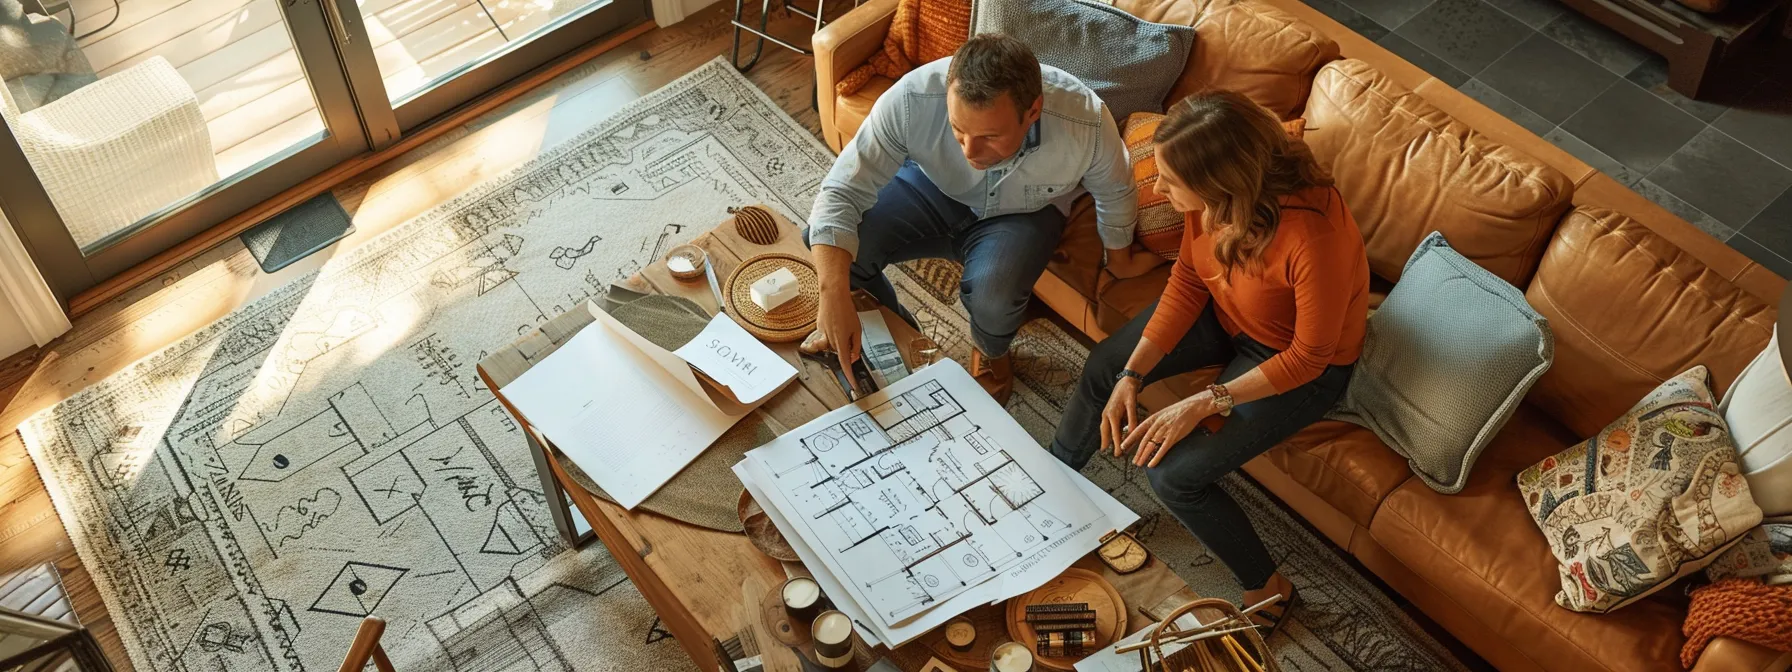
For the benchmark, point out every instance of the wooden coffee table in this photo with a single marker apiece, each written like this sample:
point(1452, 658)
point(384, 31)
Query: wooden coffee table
point(709, 587)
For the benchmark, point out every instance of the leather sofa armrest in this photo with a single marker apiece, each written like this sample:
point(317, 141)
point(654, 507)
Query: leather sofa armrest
point(842, 46)
point(1734, 655)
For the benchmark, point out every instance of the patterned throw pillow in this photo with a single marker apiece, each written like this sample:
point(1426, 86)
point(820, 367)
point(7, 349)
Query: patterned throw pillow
point(1764, 553)
point(1160, 226)
point(1656, 495)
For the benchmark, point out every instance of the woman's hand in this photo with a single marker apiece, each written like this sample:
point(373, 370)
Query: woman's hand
point(1163, 429)
point(1121, 413)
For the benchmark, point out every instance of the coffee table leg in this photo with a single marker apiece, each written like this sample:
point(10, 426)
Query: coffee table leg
point(574, 529)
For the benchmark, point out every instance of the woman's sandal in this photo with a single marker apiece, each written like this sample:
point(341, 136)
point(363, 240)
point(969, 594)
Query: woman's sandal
point(1283, 607)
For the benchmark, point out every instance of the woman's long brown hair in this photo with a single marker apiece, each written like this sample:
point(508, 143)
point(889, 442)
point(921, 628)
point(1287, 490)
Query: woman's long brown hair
point(1237, 157)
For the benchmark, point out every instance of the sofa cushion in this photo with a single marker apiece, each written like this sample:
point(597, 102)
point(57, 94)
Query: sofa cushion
point(850, 111)
point(1346, 465)
point(1257, 50)
point(1128, 61)
point(1119, 300)
point(1480, 548)
point(1629, 311)
point(1077, 261)
point(1407, 169)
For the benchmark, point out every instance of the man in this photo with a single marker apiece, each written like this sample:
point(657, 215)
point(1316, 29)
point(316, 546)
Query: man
point(969, 158)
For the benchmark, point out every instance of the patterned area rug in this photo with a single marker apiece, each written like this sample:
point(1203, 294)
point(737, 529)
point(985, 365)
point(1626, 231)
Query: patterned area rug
point(245, 496)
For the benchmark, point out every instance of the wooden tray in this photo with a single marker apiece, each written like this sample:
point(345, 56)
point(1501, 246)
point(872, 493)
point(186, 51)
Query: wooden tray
point(1074, 585)
point(760, 530)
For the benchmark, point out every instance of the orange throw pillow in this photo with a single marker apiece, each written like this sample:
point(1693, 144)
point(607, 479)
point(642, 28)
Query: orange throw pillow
point(1160, 225)
point(923, 31)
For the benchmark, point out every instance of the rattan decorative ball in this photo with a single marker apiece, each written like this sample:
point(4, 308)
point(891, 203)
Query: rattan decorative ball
point(756, 225)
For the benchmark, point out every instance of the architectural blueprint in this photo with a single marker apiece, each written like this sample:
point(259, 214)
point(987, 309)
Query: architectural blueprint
point(927, 490)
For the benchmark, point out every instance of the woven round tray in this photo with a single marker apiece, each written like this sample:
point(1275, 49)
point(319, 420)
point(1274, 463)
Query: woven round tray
point(791, 321)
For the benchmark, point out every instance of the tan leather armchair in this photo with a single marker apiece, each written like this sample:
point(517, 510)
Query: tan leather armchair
point(842, 46)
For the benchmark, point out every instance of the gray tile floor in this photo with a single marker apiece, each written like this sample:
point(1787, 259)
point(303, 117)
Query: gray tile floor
point(1723, 164)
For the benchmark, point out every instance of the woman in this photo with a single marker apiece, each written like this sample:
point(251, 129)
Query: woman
point(1272, 283)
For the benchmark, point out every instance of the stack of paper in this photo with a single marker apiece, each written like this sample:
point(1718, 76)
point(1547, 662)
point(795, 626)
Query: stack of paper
point(632, 414)
point(919, 502)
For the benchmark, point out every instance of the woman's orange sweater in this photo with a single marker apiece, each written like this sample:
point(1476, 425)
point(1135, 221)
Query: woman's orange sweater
point(1309, 298)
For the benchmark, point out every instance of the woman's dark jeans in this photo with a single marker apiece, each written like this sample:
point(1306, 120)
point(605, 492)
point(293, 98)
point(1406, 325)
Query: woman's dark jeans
point(1187, 480)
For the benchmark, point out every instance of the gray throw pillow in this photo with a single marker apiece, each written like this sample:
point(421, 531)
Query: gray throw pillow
point(1446, 360)
point(1128, 61)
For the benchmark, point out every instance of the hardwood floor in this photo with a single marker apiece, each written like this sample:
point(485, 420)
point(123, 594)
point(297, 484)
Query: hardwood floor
point(218, 281)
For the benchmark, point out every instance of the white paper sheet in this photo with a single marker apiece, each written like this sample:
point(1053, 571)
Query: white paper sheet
point(1106, 660)
point(880, 349)
point(620, 413)
point(830, 586)
point(927, 499)
point(729, 355)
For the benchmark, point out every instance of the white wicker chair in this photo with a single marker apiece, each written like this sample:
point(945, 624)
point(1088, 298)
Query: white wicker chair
point(117, 149)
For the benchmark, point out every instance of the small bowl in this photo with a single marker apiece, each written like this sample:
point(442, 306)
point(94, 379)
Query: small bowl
point(693, 259)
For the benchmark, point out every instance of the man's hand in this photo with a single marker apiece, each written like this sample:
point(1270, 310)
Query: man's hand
point(836, 320)
point(1129, 262)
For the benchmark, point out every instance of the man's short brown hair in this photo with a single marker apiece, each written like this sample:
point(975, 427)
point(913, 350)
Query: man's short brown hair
point(992, 64)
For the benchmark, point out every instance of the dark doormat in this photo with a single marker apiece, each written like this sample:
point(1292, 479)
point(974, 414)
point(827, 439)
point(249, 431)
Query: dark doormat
point(296, 233)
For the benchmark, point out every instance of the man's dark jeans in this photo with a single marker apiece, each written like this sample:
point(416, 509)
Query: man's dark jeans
point(1002, 256)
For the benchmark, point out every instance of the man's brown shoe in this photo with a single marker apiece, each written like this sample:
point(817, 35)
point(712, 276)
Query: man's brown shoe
point(996, 375)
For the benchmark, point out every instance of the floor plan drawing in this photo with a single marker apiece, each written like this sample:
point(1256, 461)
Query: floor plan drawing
point(914, 501)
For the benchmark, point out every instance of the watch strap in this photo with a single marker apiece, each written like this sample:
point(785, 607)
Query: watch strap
point(1221, 398)
point(1129, 373)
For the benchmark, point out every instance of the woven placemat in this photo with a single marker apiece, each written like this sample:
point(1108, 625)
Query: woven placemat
point(791, 321)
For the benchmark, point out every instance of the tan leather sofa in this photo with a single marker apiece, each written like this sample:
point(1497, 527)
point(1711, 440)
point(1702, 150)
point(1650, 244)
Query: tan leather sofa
point(1633, 293)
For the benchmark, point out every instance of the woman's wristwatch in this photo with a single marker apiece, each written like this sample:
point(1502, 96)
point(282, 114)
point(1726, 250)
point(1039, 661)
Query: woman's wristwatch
point(1221, 398)
point(1129, 373)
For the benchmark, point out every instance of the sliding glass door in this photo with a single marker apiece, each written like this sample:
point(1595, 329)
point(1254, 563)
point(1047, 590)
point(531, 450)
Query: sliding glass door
point(146, 122)
point(432, 55)
point(134, 125)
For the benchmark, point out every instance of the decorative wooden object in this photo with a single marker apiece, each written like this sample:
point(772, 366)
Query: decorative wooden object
point(754, 224)
point(1241, 650)
point(1123, 553)
point(1074, 585)
point(961, 634)
point(791, 321)
point(760, 530)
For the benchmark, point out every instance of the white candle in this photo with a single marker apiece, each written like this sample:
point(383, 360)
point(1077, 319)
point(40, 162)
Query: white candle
point(1011, 657)
point(801, 593)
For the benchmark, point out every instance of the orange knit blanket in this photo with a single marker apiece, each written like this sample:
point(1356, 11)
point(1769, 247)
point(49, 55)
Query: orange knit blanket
point(1744, 609)
point(922, 31)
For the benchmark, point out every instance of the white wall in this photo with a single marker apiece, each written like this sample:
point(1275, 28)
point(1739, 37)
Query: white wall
point(668, 12)
point(13, 336)
point(29, 313)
